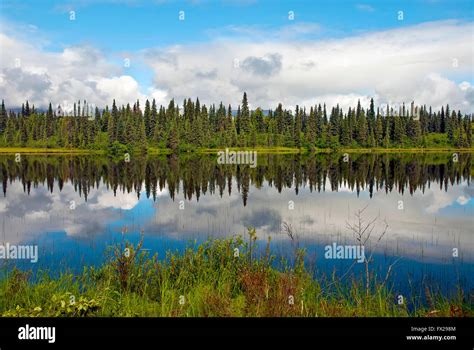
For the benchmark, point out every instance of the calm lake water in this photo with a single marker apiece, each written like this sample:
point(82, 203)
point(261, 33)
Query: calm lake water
point(74, 207)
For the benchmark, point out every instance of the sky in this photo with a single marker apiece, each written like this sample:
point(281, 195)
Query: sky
point(294, 52)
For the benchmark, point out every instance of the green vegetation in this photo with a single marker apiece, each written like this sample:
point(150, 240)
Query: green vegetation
point(197, 128)
point(31, 150)
point(218, 278)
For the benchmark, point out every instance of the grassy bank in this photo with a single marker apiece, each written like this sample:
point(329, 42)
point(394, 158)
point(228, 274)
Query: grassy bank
point(260, 150)
point(32, 150)
point(406, 150)
point(218, 278)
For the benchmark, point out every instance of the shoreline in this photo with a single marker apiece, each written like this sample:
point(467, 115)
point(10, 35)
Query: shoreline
point(262, 150)
point(220, 277)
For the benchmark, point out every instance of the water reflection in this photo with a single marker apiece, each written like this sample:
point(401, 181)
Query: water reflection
point(74, 206)
point(201, 174)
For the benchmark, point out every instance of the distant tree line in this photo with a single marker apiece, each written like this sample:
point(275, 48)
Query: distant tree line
point(195, 125)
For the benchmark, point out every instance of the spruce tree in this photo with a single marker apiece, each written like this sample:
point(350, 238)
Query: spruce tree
point(10, 131)
point(388, 132)
point(245, 115)
point(141, 134)
point(297, 128)
point(280, 121)
point(468, 126)
point(173, 141)
point(27, 109)
point(238, 119)
point(345, 139)
point(3, 118)
point(450, 128)
point(398, 130)
point(153, 118)
point(362, 129)
point(379, 131)
point(113, 123)
point(413, 130)
point(311, 127)
point(371, 117)
point(49, 122)
point(229, 128)
point(105, 119)
point(23, 131)
point(259, 120)
point(147, 120)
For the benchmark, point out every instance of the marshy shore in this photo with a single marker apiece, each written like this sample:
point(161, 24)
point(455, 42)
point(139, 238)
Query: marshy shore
point(228, 277)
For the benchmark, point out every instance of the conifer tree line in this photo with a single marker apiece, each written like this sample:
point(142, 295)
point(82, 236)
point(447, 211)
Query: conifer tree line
point(195, 125)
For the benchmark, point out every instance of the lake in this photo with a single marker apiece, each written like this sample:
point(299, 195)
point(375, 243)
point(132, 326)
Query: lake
point(74, 207)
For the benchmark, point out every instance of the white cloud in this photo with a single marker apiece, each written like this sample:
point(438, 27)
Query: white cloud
point(124, 201)
point(29, 72)
point(121, 88)
point(463, 200)
point(395, 66)
point(289, 65)
point(160, 96)
point(437, 200)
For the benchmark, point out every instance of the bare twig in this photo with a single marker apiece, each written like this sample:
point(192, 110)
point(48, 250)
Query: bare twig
point(362, 232)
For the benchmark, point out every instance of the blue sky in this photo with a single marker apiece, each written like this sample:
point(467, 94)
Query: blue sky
point(134, 25)
point(150, 32)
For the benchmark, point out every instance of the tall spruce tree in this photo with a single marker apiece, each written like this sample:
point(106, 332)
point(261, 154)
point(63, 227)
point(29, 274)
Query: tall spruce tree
point(3, 118)
point(147, 120)
point(361, 129)
point(297, 127)
point(49, 122)
point(245, 115)
point(379, 131)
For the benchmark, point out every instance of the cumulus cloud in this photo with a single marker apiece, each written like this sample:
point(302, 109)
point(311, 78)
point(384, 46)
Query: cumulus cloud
point(122, 88)
point(77, 72)
point(428, 63)
point(438, 200)
point(263, 66)
point(125, 201)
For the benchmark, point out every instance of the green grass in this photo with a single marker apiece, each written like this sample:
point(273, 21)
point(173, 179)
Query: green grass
point(207, 280)
point(407, 150)
point(33, 150)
